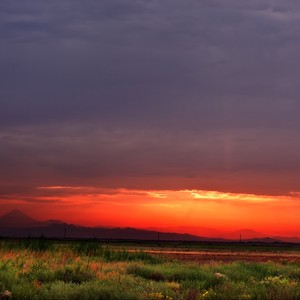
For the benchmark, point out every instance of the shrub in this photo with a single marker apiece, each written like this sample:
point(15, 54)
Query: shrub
point(74, 275)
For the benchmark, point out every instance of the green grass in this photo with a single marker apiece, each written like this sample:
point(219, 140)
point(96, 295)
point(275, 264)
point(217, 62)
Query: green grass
point(217, 246)
point(36, 244)
point(95, 249)
point(30, 269)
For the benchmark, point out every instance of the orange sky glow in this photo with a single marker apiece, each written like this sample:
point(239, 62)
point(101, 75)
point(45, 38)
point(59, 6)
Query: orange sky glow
point(206, 213)
point(180, 116)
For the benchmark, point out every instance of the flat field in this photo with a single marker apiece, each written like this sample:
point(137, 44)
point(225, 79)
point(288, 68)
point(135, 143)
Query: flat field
point(43, 269)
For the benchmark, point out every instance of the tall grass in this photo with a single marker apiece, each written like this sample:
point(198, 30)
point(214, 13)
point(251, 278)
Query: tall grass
point(34, 244)
point(88, 248)
point(94, 248)
point(90, 270)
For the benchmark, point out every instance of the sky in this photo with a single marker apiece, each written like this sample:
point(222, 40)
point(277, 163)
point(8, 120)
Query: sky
point(163, 113)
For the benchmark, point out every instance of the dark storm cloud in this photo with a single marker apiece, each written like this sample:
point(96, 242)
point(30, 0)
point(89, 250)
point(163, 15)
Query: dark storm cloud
point(205, 91)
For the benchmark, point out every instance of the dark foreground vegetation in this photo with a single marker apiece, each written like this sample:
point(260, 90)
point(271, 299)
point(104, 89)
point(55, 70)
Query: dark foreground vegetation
point(44, 269)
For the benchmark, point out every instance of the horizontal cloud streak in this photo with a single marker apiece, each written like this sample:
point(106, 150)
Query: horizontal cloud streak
point(233, 160)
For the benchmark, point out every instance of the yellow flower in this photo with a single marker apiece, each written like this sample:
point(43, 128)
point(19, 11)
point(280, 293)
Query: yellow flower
point(156, 296)
point(173, 285)
point(204, 295)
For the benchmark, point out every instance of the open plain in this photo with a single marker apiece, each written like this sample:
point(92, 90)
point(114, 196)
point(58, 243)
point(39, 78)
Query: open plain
point(45, 269)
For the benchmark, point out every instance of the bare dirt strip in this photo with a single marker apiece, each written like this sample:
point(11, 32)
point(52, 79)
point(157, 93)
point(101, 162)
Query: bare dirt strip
point(226, 256)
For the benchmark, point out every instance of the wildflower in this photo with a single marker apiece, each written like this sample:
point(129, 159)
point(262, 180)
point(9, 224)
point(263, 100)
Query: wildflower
point(219, 275)
point(204, 295)
point(37, 283)
point(173, 285)
point(156, 296)
point(245, 296)
point(6, 294)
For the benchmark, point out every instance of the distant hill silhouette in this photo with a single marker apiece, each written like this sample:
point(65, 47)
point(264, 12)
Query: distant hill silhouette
point(195, 230)
point(266, 240)
point(18, 224)
point(16, 218)
point(245, 234)
point(292, 239)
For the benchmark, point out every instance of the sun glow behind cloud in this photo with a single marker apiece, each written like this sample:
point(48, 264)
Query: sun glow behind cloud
point(214, 195)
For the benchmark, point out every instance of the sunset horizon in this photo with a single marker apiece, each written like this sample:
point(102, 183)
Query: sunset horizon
point(149, 149)
point(180, 115)
point(185, 211)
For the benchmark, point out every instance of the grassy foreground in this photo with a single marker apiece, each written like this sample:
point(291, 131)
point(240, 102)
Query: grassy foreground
point(40, 269)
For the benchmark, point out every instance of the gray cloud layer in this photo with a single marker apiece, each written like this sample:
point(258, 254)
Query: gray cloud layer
point(178, 93)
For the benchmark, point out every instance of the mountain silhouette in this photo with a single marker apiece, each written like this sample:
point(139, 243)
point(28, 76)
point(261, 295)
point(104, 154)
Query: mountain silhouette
point(16, 218)
point(18, 224)
point(244, 234)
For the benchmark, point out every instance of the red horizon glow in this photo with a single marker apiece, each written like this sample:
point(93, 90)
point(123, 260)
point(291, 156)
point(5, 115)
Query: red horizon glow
point(206, 213)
